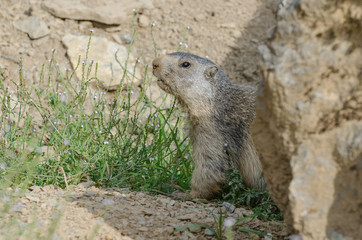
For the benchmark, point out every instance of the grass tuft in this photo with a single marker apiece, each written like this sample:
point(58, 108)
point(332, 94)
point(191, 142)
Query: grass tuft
point(128, 141)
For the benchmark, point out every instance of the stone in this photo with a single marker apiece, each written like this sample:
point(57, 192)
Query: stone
point(308, 125)
point(312, 190)
point(102, 51)
point(33, 26)
point(229, 207)
point(111, 12)
point(143, 21)
point(208, 232)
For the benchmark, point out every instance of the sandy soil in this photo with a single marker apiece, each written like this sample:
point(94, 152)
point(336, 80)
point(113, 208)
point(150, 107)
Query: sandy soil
point(228, 32)
point(84, 211)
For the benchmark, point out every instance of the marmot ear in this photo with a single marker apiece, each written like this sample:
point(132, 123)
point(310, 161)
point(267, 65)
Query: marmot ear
point(210, 72)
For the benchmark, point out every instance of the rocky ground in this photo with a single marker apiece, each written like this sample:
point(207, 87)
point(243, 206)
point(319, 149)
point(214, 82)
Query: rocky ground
point(227, 32)
point(85, 211)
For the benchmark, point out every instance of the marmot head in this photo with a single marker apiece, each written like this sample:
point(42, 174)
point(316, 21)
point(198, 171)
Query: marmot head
point(187, 76)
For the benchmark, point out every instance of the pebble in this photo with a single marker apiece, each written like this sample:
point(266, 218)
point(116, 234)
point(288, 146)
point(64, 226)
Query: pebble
point(143, 21)
point(108, 202)
point(229, 207)
point(208, 232)
point(35, 188)
point(195, 229)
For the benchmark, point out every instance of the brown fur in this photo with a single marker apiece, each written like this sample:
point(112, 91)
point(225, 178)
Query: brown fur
point(220, 114)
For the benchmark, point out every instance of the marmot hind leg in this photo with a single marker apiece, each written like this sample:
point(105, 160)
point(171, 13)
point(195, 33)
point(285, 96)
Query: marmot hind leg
point(207, 181)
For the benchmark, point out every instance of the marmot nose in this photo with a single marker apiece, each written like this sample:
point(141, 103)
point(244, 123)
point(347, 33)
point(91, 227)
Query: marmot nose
point(156, 63)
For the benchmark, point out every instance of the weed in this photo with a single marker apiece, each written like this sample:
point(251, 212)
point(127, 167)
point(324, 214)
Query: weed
point(260, 201)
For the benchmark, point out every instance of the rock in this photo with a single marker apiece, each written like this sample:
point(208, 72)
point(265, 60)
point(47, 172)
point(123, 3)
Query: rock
point(208, 232)
point(84, 185)
point(102, 52)
point(229, 222)
point(33, 26)
point(35, 189)
point(309, 123)
point(108, 202)
point(107, 12)
point(143, 21)
point(194, 229)
point(229, 207)
point(185, 217)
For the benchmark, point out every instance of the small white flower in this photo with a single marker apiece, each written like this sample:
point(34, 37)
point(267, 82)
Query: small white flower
point(81, 126)
point(153, 24)
point(225, 144)
point(70, 115)
point(206, 56)
point(53, 50)
point(131, 91)
point(106, 142)
point(66, 142)
point(188, 27)
point(92, 30)
point(180, 43)
point(100, 131)
point(134, 10)
point(186, 46)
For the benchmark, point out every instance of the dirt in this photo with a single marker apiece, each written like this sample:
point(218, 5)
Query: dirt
point(84, 211)
point(227, 32)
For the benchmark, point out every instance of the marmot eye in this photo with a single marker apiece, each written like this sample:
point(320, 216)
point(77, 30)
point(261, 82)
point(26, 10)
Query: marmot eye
point(185, 64)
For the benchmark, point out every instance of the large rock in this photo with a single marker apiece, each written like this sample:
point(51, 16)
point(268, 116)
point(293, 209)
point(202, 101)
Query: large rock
point(107, 12)
point(102, 51)
point(309, 125)
point(33, 26)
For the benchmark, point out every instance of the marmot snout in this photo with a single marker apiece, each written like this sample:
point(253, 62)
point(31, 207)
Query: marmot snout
point(219, 114)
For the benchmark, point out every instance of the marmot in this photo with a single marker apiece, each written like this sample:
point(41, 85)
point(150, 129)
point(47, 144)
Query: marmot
point(219, 114)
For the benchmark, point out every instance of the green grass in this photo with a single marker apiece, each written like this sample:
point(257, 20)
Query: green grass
point(261, 203)
point(128, 142)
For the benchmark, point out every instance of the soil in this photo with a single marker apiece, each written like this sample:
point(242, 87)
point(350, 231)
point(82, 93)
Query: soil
point(227, 32)
point(84, 211)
